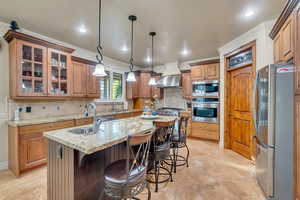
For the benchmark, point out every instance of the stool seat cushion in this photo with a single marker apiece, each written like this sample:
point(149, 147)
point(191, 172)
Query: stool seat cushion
point(116, 173)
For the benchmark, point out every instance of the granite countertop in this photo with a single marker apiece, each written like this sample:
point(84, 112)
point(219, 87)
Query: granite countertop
point(61, 118)
point(111, 133)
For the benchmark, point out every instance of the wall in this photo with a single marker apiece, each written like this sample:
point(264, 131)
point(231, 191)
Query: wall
point(264, 48)
point(39, 109)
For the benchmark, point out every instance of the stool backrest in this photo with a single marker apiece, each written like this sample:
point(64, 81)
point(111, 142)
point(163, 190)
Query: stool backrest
point(163, 132)
point(138, 151)
point(183, 126)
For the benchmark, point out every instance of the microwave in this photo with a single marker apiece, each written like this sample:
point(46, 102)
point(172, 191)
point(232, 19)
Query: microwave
point(205, 88)
point(205, 110)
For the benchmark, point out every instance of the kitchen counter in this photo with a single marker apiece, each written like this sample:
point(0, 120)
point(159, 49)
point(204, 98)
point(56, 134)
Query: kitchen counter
point(76, 163)
point(110, 133)
point(61, 118)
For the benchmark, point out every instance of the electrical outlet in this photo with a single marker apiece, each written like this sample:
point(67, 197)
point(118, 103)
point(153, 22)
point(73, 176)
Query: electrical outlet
point(28, 109)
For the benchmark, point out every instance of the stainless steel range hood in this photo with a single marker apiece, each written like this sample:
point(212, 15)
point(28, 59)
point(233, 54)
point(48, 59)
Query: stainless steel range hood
point(171, 76)
point(169, 81)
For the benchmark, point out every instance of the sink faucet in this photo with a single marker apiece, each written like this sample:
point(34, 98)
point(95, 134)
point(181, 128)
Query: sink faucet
point(97, 121)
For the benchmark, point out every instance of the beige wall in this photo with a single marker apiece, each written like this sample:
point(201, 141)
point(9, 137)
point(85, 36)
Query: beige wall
point(264, 56)
point(43, 108)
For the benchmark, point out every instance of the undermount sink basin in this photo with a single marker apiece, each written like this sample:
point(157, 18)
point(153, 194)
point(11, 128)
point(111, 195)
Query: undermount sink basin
point(82, 131)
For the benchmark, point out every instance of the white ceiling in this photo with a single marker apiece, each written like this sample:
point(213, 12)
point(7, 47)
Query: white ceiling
point(199, 26)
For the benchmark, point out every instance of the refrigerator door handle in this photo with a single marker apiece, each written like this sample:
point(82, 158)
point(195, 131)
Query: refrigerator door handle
point(254, 101)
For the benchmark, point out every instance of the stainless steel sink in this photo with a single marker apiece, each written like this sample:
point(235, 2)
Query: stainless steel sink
point(82, 131)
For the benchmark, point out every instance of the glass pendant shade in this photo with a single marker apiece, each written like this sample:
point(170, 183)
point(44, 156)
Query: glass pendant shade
point(152, 81)
point(131, 77)
point(100, 70)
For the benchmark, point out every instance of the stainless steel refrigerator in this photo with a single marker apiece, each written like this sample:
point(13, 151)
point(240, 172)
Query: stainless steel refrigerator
point(273, 120)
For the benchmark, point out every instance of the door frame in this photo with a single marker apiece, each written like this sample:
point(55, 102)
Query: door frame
point(227, 136)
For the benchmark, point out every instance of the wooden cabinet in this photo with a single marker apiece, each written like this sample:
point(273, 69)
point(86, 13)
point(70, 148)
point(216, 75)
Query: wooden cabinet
point(85, 121)
point(38, 68)
point(132, 88)
point(206, 72)
point(297, 54)
point(79, 79)
point(207, 131)
point(186, 85)
point(127, 115)
point(93, 83)
point(277, 49)
point(155, 91)
point(144, 87)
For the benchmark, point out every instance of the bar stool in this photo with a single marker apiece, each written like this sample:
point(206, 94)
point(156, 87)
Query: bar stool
point(159, 152)
point(178, 141)
point(126, 178)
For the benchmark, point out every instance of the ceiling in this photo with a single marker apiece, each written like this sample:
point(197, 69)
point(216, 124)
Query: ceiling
point(198, 27)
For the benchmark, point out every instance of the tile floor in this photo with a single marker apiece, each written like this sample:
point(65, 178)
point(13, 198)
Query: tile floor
point(213, 174)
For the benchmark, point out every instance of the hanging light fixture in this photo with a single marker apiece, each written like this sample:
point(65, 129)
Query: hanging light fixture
point(152, 81)
point(100, 67)
point(131, 76)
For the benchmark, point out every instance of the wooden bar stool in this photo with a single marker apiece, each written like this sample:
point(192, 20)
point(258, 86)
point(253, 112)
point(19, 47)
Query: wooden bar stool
point(125, 179)
point(159, 152)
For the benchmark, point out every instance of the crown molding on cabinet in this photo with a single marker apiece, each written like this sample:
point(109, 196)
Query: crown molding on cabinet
point(83, 60)
point(205, 62)
point(288, 9)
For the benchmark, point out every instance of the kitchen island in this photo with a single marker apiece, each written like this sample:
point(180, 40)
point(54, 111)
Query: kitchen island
point(76, 162)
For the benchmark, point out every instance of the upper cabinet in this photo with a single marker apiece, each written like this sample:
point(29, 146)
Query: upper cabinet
point(156, 92)
point(79, 79)
point(38, 68)
point(186, 84)
point(144, 87)
point(93, 82)
point(205, 71)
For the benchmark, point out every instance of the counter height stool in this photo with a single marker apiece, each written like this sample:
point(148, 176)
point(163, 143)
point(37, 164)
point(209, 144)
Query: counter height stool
point(178, 141)
point(125, 179)
point(159, 152)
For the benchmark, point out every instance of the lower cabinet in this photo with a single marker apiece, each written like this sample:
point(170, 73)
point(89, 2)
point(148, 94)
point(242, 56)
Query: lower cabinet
point(127, 115)
point(207, 131)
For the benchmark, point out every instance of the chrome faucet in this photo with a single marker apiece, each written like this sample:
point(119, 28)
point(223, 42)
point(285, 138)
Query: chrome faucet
point(97, 121)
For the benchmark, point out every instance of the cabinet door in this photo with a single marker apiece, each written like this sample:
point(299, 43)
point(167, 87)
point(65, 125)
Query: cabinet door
point(287, 39)
point(93, 83)
point(205, 131)
point(186, 85)
point(79, 79)
point(31, 69)
point(145, 88)
point(277, 49)
point(33, 150)
point(297, 55)
point(198, 72)
point(212, 71)
point(60, 73)
point(156, 92)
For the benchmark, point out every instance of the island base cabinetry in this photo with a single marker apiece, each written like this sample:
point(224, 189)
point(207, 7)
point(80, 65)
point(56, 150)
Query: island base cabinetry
point(206, 131)
point(73, 175)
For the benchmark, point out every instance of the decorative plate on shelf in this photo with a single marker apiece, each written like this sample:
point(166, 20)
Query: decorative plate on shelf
point(149, 116)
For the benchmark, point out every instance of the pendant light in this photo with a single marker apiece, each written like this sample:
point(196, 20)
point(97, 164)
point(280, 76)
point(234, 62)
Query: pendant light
point(152, 81)
point(100, 67)
point(131, 76)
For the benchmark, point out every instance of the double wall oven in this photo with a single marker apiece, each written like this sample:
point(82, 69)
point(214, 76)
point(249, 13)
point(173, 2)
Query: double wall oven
point(205, 101)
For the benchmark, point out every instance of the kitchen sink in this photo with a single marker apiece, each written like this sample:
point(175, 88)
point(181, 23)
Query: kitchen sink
point(83, 131)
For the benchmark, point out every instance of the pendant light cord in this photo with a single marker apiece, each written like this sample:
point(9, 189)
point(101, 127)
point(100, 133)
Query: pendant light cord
point(99, 47)
point(131, 59)
point(152, 53)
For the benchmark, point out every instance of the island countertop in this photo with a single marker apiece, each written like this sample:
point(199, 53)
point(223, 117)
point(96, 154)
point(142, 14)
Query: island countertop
point(111, 133)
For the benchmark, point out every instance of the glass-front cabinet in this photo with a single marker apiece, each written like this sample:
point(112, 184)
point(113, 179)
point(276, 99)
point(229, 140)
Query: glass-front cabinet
point(59, 73)
point(32, 69)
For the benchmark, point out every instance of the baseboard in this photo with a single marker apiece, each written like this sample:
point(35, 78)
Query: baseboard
point(3, 165)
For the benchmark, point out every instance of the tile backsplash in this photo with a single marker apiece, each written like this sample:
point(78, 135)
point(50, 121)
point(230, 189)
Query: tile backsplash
point(57, 108)
point(173, 98)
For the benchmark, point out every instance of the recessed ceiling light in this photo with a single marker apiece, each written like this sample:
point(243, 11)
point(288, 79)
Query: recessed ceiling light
point(185, 52)
point(249, 13)
point(124, 48)
point(82, 29)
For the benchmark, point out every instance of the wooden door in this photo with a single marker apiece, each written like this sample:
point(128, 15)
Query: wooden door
point(93, 83)
point(240, 115)
point(186, 85)
point(297, 147)
point(277, 49)
point(79, 79)
point(297, 55)
point(32, 69)
point(33, 150)
point(145, 88)
point(199, 72)
point(287, 40)
point(212, 71)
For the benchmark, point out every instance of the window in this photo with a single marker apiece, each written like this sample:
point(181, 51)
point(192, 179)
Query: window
point(111, 86)
point(117, 86)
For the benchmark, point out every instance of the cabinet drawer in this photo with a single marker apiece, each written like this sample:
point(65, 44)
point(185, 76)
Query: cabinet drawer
point(82, 122)
point(206, 131)
point(46, 127)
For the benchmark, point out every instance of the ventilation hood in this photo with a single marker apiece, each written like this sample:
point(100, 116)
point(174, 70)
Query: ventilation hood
point(171, 76)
